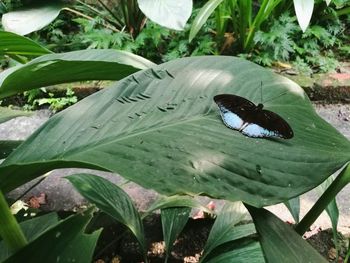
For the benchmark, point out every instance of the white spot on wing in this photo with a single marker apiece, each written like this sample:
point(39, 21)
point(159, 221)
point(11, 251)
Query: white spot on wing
point(230, 119)
point(254, 130)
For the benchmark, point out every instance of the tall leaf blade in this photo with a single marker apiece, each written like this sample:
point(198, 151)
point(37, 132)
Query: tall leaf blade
point(167, 13)
point(303, 10)
point(68, 67)
point(12, 44)
point(332, 208)
point(31, 18)
point(161, 129)
point(176, 201)
point(293, 206)
point(112, 200)
point(203, 16)
point(174, 220)
point(279, 242)
point(225, 230)
point(250, 252)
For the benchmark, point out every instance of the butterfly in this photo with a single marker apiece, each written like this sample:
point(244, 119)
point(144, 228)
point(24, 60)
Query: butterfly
point(251, 120)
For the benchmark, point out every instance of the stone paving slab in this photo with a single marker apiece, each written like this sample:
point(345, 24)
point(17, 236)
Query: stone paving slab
point(331, 87)
point(61, 195)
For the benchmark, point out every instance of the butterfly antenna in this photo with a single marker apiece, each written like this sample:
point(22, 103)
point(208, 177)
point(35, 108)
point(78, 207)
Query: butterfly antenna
point(277, 96)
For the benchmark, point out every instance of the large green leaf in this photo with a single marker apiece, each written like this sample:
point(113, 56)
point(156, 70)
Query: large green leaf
point(65, 242)
point(168, 13)
point(225, 228)
point(161, 129)
point(112, 200)
point(12, 44)
point(31, 18)
point(68, 67)
point(279, 242)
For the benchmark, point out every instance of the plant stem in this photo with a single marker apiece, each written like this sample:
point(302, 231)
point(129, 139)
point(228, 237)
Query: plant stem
point(346, 259)
point(343, 11)
point(10, 230)
point(118, 21)
point(89, 18)
point(124, 8)
point(338, 184)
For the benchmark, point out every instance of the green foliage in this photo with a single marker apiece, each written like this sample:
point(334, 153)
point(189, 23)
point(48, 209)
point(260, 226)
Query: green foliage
point(154, 42)
point(161, 45)
point(309, 52)
point(37, 97)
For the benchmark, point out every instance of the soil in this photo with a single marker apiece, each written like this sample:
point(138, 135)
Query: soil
point(115, 247)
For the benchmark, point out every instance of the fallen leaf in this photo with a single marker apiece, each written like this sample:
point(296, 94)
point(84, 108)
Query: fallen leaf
point(37, 201)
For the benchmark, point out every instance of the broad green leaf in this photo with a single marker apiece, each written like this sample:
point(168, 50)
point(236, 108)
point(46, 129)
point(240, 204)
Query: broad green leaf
point(65, 242)
point(250, 252)
point(279, 242)
point(176, 201)
point(7, 114)
point(161, 129)
point(174, 220)
point(68, 67)
point(12, 44)
point(112, 200)
point(168, 13)
point(31, 18)
point(293, 206)
point(225, 228)
point(303, 10)
point(31, 229)
point(203, 16)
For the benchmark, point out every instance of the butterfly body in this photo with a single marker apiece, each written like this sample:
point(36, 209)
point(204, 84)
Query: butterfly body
point(251, 120)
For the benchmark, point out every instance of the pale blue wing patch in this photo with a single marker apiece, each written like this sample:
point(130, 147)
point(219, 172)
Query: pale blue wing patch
point(230, 119)
point(254, 130)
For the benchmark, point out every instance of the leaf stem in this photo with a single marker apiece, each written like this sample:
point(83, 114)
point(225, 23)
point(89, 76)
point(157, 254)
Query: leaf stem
point(10, 230)
point(338, 184)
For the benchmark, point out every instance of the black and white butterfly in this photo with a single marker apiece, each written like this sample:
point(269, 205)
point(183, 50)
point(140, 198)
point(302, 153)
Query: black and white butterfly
point(252, 120)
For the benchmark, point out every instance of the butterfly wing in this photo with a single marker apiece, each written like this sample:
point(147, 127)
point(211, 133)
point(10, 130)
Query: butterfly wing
point(233, 109)
point(265, 123)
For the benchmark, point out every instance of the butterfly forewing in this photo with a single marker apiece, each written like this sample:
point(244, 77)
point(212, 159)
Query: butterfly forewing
point(233, 109)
